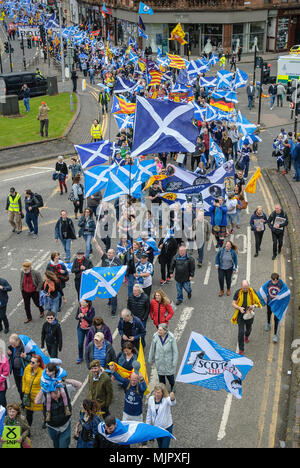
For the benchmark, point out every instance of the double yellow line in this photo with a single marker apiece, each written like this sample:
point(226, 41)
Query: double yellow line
point(272, 348)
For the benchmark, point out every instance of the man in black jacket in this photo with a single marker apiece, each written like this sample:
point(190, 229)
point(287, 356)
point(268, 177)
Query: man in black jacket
point(5, 287)
point(277, 221)
point(65, 232)
point(184, 267)
point(79, 265)
point(138, 303)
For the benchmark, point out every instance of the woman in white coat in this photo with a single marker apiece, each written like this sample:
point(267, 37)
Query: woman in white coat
point(159, 412)
point(164, 353)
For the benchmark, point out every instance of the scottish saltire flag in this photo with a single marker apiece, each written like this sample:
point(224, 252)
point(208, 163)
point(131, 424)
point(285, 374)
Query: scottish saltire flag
point(208, 81)
point(123, 180)
point(69, 267)
point(150, 242)
point(124, 120)
point(240, 79)
point(163, 126)
point(93, 154)
point(145, 9)
point(142, 26)
point(183, 78)
point(216, 152)
point(196, 67)
point(31, 347)
point(211, 113)
point(121, 249)
point(124, 86)
point(103, 86)
point(248, 140)
point(244, 126)
point(213, 59)
point(142, 33)
point(2, 417)
point(131, 432)
point(95, 179)
point(224, 79)
point(101, 283)
point(207, 364)
point(225, 94)
point(132, 57)
point(276, 296)
point(147, 169)
point(199, 112)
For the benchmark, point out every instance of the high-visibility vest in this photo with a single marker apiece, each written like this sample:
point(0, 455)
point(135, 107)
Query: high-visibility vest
point(14, 203)
point(96, 132)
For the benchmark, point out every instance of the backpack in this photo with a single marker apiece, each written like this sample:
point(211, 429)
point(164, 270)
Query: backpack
point(38, 200)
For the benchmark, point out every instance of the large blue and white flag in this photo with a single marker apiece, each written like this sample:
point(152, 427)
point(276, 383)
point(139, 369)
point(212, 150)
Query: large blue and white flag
point(183, 184)
point(211, 113)
point(124, 86)
point(163, 126)
point(93, 154)
point(276, 296)
point(131, 432)
point(207, 364)
point(123, 180)
point(244, 126)
point(196, 67)
point(95, 179)
point(240, 79)
point(124, 120)
point(147, 169)
point(101, 282)
point(224, 79)
point(142, 33)
point(30, 347)
point(213, 59)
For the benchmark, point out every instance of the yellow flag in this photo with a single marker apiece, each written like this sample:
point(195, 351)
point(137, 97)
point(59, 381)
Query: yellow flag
point(121, 371)
point(251, 186)
point(153, 179)
point(143, 369)
point(178, 34)
point(142, 66)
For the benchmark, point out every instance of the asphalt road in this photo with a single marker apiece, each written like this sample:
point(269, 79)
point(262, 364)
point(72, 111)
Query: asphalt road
point(202, 418)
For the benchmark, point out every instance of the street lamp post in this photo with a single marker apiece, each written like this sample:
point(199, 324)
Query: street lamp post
point(61, 46)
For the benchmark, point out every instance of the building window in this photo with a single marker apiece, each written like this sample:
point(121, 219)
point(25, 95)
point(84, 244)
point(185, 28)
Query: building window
point(238, 36)
point(212, 35)
point(257, 32)
point(282, 33)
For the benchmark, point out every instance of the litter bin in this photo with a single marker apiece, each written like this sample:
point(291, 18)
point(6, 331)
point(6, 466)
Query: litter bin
point(52, 85)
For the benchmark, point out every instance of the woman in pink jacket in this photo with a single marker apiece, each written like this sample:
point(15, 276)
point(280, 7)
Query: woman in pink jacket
point(160, 308)
point(4, 373)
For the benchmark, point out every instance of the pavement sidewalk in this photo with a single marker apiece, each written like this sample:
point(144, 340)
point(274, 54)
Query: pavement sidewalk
point(288, 192)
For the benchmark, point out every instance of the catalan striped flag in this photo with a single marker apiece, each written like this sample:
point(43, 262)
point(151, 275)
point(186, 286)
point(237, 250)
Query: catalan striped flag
point(176, 61)
point(156, 77)
point(121, 106)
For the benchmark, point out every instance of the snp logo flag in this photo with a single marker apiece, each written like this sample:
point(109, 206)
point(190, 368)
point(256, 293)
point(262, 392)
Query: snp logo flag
point(163, 126)
point(101, 283)
point(207, 364)
point(93, 154)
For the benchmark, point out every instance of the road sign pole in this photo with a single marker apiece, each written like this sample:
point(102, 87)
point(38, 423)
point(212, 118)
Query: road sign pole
point(260, 91)
point(295, 110)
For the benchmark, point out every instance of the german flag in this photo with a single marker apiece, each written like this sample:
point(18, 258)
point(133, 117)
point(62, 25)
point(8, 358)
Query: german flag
point(222, 104)
point(176, 61)
point(156, 77)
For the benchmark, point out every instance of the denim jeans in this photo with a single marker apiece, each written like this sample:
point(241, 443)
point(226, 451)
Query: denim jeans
point(186, 286)
point(272, 100)
point(60, 439)
point(234, 150)
point(81, 335)
point(26, 104)
point(88, 244)
point(250, 102)
point(200, 254)
point(32, 222)
point(164, 442)
point(297, 170)
point(67, 248)
point(55, 304)
point(130, 282)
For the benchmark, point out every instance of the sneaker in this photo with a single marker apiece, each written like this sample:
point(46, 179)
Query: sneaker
point(274, 256)
point(241, 352)
point(6, 331)
point(30, 233)
point(178, 302)
point(34, 236)
point(199, 265)
point(162, 282)
point(275, 339)
point(256, 255)
point(246, 339)
point(267, 327)
point(79, 361)
point(168, 280)
point(189, 295)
